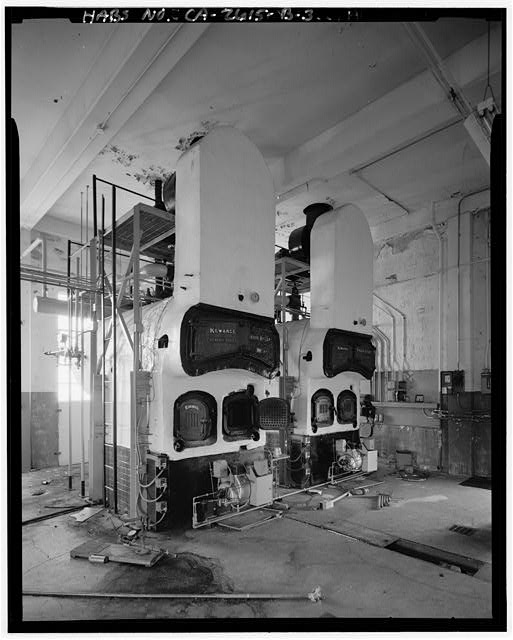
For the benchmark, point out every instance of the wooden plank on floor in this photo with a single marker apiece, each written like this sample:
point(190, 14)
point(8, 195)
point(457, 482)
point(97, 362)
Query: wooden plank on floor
point(91, 547)
point(117, 553)
point(132, 555)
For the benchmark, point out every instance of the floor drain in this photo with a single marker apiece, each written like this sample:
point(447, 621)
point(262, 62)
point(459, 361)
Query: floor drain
point(442, 558)
point(466, 531)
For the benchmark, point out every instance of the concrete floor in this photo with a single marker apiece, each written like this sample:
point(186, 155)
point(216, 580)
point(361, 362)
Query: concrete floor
point(340, 549)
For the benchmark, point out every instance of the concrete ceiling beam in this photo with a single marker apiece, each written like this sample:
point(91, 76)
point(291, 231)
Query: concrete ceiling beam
point(400, 117)
point(132, 63)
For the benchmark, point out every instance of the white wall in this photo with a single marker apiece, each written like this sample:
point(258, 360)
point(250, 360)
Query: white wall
point(39, 333)
point(406, 274)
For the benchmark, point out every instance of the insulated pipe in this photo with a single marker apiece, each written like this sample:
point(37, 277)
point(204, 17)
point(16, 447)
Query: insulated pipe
point(31, 248)
point(33, 245)
point(380, 362)
point(440, 282)
point(388, 369)
point(468, 195)
point(394, 348)
point(377, 377)
point(377, 373)
point(386, 340)
point(42, 304)
point(403, 318)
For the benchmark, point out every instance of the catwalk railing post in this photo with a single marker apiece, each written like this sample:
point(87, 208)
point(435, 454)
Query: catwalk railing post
point(102, 371)
point(95, 209)
point(114, 355)
point(96, 424)
point(282, 474)
point(134, 434)
point(82, 382)
point(69, 348)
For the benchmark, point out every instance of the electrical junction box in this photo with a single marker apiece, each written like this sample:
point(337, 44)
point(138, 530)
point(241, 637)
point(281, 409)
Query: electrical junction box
point(486, 381)
point(157, 492)
point(369, 461)
point(452, 382)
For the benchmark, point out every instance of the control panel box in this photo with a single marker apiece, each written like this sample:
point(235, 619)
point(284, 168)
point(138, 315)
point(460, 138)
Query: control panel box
point(452, 382)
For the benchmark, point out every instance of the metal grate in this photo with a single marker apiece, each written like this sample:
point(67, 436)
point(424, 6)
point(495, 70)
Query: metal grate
point(453, 561)
point(274, 413)
point(156, 227)
point(466, 531)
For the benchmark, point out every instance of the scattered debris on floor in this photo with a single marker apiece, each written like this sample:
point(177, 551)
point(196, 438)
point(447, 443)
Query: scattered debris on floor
point(55, 514)
point(86, 513)
point(416, 475)
point(329, 503)
point(102, 552)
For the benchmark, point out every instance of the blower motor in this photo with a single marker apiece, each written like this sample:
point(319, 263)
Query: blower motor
point(350, 460)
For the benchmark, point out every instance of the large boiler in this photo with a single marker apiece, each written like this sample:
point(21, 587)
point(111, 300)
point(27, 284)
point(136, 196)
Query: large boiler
point(211, 350)
point(331, 354)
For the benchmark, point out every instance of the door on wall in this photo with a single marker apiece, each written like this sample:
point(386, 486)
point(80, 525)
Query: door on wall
point(44, 430)
point(467, 443)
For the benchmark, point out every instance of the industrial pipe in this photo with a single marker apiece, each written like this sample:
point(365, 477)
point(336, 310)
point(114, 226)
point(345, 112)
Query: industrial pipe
point(313, 596)
point(440, 283)
point(380, 363)
point(394, 348)
point(31, 248)
point(468, 195)
point(403, 318)
point(386, 340)
point(33, 245)
point(377, 373)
